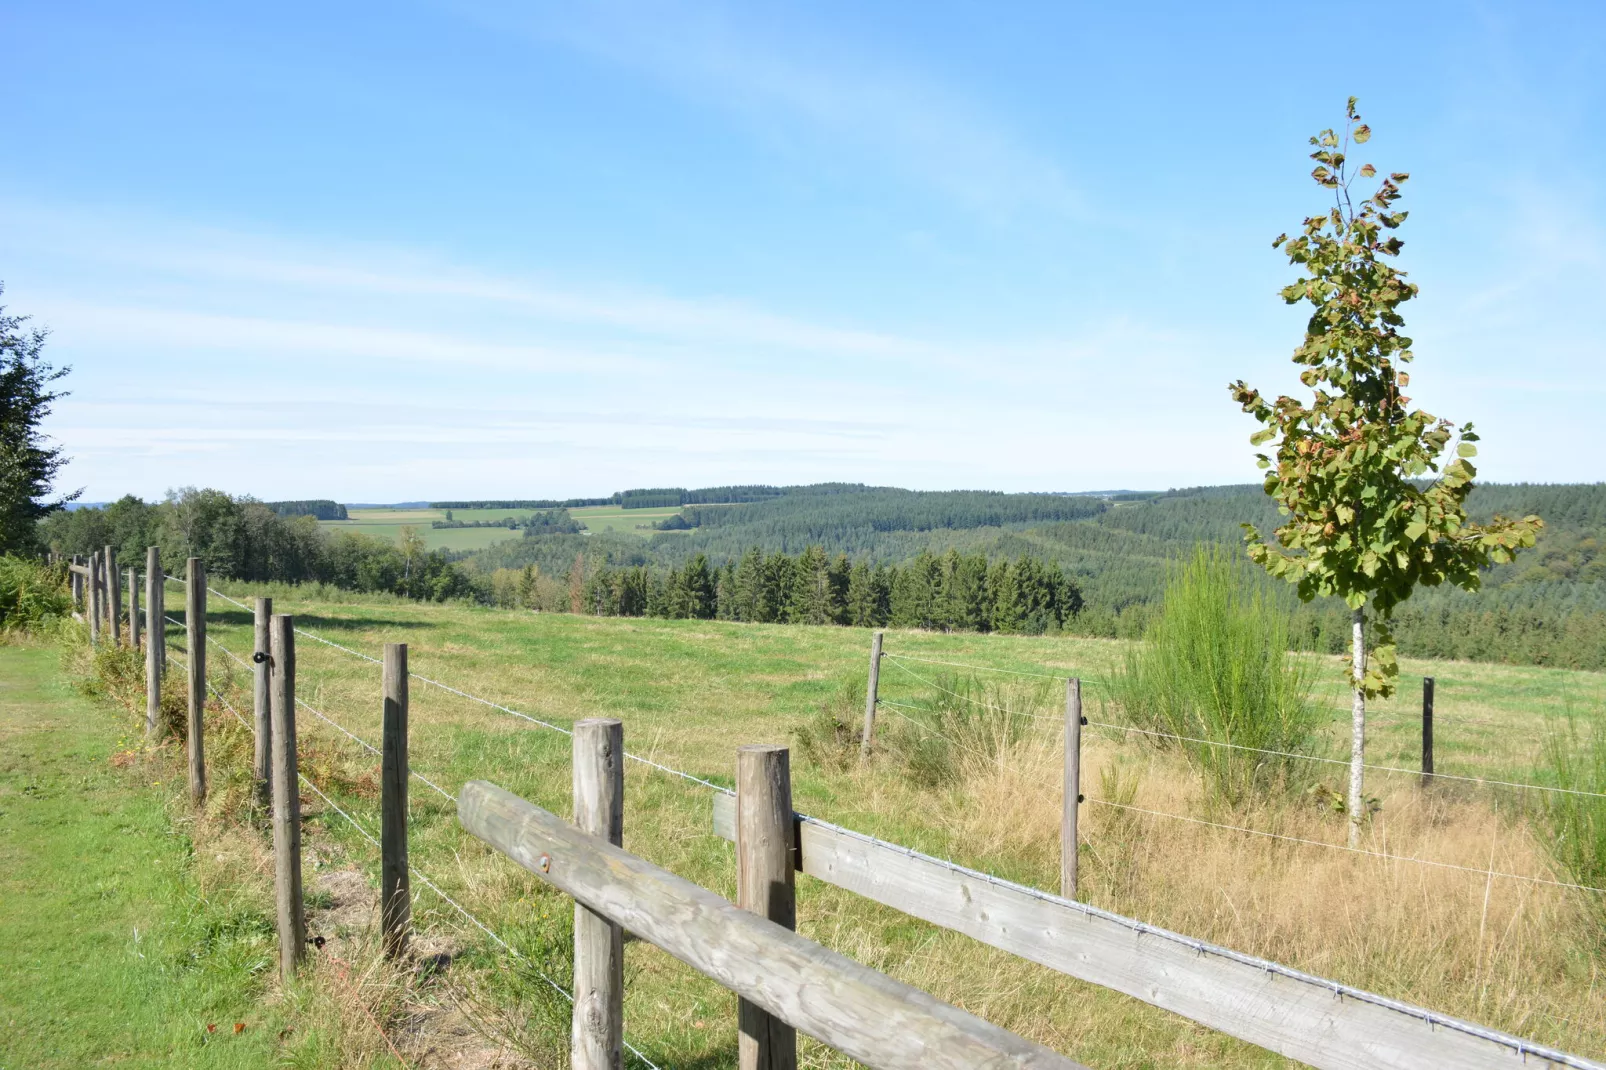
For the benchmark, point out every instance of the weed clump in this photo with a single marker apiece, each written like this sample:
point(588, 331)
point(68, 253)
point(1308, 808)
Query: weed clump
point(832, 737)
point(963, 721)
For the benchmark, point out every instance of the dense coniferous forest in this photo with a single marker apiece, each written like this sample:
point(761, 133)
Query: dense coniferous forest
point(852, 554)
point(1548, 607)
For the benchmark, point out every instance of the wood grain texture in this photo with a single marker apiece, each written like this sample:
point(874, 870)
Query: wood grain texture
point(766, 875)
point(1070, 842)
point(872, 692)
point(1427, 730)
point(133, 609)
point(262, 702)
point(866, 1015)
point(291, 910)
point(95, 599)
point(1315, 1021)
point(395, 885)
point(155, 641)
point(195, 654)
point(114, 596)
point(597, 1030)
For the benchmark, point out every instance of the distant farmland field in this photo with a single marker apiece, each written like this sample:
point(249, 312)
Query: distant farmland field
point(388, 523)
point(617, 519)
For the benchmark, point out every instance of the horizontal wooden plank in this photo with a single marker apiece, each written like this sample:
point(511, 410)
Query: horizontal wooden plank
point(1321, 1023)
point(82, 570)
point(864, 1014)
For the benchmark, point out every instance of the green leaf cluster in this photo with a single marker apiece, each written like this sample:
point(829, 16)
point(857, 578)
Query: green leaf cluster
point(1373, 490)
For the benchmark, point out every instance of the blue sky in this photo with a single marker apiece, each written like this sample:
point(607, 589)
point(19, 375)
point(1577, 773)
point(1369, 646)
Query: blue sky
point(397, 251)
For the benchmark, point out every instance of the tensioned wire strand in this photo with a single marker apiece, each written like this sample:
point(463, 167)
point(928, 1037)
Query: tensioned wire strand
point(487, 702)
point(1268, 835)
point(422, 876)
point(336, 725)
point(1238, 746)
point(1352, 850)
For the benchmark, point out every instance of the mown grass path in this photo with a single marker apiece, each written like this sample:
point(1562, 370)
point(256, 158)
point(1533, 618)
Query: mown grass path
point(109, 952)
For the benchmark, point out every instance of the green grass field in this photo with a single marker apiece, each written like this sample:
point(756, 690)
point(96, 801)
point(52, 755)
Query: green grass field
point(1508, 954)
point(619, 520)
point(388, 524)
point(118, 949)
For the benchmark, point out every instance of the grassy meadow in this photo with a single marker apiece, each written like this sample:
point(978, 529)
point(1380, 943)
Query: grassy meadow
point(1516, 955)
point(388, 524)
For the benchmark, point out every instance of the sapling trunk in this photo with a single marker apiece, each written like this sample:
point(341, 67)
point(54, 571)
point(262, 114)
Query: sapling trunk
point(1357, 751)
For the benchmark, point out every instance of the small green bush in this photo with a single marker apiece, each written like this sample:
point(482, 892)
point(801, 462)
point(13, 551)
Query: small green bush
point(830, 739)
point(32, 594)
point(1214, 666)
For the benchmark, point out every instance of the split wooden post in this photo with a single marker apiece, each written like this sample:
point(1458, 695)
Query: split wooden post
point(195, 652)
point(1069, 840)
point(262, 704)
point(395, 885)
point(872, 690)
point(597, 1033)
point(94, 597)
point(133, 608)
point(1427, 730)
point(292, 911)
point(114, 596)
point(766, 864)
point(155, 640)
point(78, 603)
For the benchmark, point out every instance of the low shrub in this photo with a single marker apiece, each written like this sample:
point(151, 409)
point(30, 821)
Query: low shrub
point(33, 594)
point(831, 738)
point(1214, 666)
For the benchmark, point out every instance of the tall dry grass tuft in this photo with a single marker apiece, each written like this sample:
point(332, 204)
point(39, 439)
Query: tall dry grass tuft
point(1509, 953)
point(962, 720)
point(1214, 666)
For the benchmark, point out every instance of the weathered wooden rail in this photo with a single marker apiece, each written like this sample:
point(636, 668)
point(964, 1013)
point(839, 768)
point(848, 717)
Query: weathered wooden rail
point(1318, 1022)
point(866, 1015)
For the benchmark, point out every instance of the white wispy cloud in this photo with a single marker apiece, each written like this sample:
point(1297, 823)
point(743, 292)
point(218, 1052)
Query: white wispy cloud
point(793, 81)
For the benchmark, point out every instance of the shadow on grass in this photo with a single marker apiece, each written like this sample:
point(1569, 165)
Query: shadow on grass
point(309, 621)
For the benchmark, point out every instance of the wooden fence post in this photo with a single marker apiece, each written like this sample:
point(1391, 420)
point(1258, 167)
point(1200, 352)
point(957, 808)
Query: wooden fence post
point(395, 884)
point(78, 604)
point(1427, 730)
point(292, 910)
point(155, 640)
point(114, 597)
point(133, 609)
point(872, 691)
point(195, 652)
point(1069, 840)
point(766, 861)
point(262, 704)
point(597, 1032)
point(94, 597)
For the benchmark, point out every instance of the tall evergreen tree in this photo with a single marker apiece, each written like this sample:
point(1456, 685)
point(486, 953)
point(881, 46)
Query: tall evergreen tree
point(28, 464)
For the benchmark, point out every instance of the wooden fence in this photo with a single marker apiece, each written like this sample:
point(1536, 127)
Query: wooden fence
point(784, 981)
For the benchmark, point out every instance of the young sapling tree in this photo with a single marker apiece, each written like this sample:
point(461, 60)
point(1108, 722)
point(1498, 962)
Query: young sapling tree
point(1374, 491)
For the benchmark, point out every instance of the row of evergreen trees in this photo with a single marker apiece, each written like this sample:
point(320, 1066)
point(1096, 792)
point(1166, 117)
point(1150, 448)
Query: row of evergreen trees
point(951, 592)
